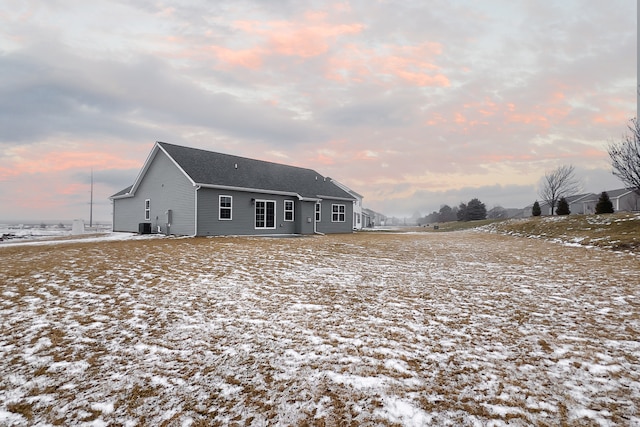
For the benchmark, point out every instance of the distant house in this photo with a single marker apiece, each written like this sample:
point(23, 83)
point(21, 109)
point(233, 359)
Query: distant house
point(623, 199)
point(188, 191)
point(372, 218)
point(576, 205)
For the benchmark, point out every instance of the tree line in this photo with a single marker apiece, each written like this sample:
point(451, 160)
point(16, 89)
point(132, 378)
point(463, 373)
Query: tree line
point(473, 210)
point(559, 184)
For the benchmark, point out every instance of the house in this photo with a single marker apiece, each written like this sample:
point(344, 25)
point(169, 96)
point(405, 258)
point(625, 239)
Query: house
point(188, 191)
point(372, 218)
point(545, 208)
point(576, 205)
point(357, 205)
point(623, 199)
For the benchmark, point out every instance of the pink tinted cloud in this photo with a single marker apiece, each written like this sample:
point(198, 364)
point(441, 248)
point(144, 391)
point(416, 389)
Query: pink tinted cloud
point(246, 58)
point(314, 35)
point(410, 64)
point(503, 116)
point(26, 160)
point(311, 36)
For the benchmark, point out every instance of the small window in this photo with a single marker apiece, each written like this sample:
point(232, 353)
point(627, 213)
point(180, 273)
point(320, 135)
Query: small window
point(288, 210)
point(225, 207)
point(147, 209)
point(318, 212)
point(338, 213)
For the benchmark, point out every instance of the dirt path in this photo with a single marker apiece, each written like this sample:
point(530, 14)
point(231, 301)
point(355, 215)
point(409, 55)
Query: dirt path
point(371, 328)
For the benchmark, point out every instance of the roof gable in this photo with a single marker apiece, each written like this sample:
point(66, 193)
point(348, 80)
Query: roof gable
point(614, 194)
point(579, 197)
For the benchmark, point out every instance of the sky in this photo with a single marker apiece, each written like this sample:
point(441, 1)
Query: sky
point(413, 104)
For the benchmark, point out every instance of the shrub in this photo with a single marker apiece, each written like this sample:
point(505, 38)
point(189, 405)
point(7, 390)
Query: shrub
point(563, 207)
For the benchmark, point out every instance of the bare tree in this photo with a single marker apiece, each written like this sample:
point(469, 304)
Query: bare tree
point(625, 157)
point(558, 183)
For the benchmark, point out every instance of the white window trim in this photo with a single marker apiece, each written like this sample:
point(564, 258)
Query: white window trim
point(275, 211)
point(147, 210)
point(318, 212)
point(342, 214)
point(220, 207)
point(289, 210)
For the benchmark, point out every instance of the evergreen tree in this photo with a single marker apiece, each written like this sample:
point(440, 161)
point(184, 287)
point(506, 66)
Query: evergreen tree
point(476, 210)
point(462, 212)
point(604, 205)
point(472, 211)
point(447, 214)
point(535, 210)
point(563, 207)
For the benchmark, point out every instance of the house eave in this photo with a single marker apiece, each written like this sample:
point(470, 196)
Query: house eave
point(122, 196)
point(346, 199)
point(249, 190)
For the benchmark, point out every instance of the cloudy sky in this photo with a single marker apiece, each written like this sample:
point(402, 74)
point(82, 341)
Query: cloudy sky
point(413, 104)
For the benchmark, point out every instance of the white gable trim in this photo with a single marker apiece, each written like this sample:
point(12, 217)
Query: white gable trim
point(346, 199)
point(122, 196)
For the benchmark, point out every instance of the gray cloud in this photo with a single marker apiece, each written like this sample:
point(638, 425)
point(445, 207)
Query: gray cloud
point(72, 94)
point(532, 84)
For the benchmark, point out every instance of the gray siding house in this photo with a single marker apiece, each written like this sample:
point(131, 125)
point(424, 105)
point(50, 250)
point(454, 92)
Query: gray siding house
point(193, 192)
point(622, 199)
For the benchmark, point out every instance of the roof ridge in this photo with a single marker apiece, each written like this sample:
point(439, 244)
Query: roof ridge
point(237, 157)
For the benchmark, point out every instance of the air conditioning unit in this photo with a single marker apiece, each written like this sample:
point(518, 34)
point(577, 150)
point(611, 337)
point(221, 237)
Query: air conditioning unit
point(144, 228)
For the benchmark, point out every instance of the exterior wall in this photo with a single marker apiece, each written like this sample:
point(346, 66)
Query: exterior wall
point(627, 202)
point(326, 226)
point(242, 220)
point(577, 207)
point(357, 214)
point(167, 189)
point(306, 223)
point(127, 213)
point(588, 207)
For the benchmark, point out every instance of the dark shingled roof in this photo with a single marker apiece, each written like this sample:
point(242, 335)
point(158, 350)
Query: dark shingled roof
point(210, 168)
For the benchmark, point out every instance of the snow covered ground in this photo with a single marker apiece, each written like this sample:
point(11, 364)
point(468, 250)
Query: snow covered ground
point(16, 233)
point(461, 328)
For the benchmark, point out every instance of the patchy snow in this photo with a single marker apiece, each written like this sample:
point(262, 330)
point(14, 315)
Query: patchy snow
point(417, 329)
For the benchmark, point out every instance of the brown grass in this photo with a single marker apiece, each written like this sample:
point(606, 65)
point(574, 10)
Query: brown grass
point(209, 330)
point(620, 231)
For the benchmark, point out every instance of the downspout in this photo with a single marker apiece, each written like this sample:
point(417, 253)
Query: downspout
point(195, 220)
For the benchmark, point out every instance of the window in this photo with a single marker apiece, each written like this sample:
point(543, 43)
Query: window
point(225, 204)
point(337, 213)
point(265, 214)
point(288, 210)
point(318, 211)
point(147, 209)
